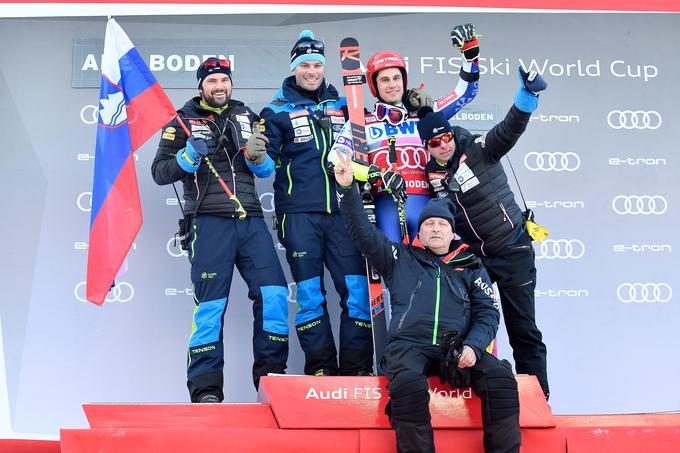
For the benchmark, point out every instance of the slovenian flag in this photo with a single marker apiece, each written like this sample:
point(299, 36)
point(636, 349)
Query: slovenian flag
point(132, 107)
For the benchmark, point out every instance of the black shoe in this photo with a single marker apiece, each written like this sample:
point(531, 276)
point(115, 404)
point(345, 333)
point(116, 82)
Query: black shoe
point(322, 372)
point(362, 373)
point(209, 399)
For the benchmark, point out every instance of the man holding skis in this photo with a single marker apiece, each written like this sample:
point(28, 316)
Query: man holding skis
point(214, 138)
point(301, 122)
point(392, 136)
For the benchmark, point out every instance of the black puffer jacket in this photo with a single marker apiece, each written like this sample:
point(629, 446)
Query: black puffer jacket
point(226, 134)
point(487, 217)
point(429, 295)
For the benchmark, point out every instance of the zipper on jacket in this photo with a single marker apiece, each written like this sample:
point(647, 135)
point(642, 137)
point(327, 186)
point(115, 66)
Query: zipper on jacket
point(290, 178)
point(410, 302)
point(481, 247)
point(436, 306)
point(323, 158)
point(234, 138)
point(506, 215)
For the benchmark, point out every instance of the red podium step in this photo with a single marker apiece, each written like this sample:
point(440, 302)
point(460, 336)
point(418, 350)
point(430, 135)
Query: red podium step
point(346, 415)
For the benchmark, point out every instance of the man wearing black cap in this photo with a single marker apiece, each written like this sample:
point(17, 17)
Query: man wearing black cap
point(466, 169)
point(443, 317)
point(224, 146)
point(301, 124)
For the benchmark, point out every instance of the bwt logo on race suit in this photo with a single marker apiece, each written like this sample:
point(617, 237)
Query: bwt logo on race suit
point(560, 249)
point(640, 205)
point(123, 292)
point(545, 161)
point(634, 119)
point(644, 292)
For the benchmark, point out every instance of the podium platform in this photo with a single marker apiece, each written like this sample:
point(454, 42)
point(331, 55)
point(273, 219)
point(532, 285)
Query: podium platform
point(346, 414)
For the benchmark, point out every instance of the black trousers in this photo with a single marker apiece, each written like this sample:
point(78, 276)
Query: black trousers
point(514, 271)
point(407, 367)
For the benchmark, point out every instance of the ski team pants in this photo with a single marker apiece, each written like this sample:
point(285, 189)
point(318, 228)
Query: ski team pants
point(514, 271)
point(216, 245)
point(313, 240)
point(407, 368)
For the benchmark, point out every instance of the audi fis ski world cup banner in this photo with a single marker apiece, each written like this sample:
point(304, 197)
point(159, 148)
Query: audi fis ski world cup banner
point(598, 165)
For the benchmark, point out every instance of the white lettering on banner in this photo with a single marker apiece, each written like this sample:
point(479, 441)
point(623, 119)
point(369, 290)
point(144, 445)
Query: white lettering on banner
point(267, 201)
point(186, 63)
point(375, 393)
point(634, 119)
point(566, 204)
point(85, 245)
point(560, 249)
point(556, 118)
point(416, 184)
point(89, 114)
point(173, 248)
point(173, 202)
point(465, 393)
point(452, 65)
point(123, 292)
point(637, 161)
point(84, 201)
point(639, 205)
point(338, 394)
point(463, 116)
point(179, 291)
point(546, 161)
point(619, 68)
point(578, 68)
point(561, 293)
point(642, 248)
point(84, 157)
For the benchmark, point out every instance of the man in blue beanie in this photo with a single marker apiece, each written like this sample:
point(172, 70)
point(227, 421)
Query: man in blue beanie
point(443, 316)
point(301, 122)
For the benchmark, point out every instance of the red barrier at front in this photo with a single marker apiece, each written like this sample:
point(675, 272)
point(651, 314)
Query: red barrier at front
point(233, 415)
point(359, 402)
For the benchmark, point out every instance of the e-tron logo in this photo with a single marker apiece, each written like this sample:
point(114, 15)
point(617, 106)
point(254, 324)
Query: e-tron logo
point(634, 119)
point(267, 201)
point(123, 292)
point(561, 249)
point(644, 292)
point(84, 201)
point(639, 205)
point(173, 248)
point(552, 161)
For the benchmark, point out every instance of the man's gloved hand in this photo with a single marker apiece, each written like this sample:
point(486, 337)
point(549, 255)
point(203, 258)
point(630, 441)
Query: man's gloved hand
point(190, 157)
point(451, 350)
point(395, 185)
point(531, 84)
point(464, 38)
point(417, 98)
point(256, 146)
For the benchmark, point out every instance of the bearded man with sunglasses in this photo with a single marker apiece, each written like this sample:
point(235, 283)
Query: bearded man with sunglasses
point(466, 168)
point(215, 137)
point(301, 123)
point(392, 136)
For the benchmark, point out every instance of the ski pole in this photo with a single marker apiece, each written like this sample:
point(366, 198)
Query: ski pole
point(239, 208)
point(401, 209)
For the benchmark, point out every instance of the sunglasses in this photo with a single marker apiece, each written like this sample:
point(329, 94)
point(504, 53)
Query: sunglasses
point(307, 45)
point(213, 63)
point(437, 141)
point(391, 113)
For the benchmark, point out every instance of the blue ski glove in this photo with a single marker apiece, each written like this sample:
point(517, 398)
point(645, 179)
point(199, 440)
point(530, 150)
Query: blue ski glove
point(189, 158)
point(531, 84)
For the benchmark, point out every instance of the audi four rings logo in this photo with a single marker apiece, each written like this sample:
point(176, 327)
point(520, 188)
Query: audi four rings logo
point(634, 119)
point(644, 292)
point(267, 201)
point(552, 161)
point(561, 249)
point(123, 292)
point(84, 201)
point(640, 205)
point(410, 157)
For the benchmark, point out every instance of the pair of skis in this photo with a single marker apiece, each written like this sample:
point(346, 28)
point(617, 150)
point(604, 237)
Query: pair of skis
point(354, 79)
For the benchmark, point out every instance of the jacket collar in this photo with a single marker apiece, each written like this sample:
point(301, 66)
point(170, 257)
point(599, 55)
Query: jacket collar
point(289, 94)
point(457, 257)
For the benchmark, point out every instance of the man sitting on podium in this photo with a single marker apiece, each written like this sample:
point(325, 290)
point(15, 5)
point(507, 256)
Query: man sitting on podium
point(444, 314)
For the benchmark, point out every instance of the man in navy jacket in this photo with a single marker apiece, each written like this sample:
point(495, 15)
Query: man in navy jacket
point(440, 295)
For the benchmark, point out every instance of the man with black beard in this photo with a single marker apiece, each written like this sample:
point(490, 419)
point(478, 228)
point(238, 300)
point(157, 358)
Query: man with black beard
point(224, 146)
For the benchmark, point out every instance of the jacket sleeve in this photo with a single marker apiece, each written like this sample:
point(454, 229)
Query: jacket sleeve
point(273, 132)
point(501, 138)
point(165, 169)
point(484, 309)
point(465, 91)
point(373, 244)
